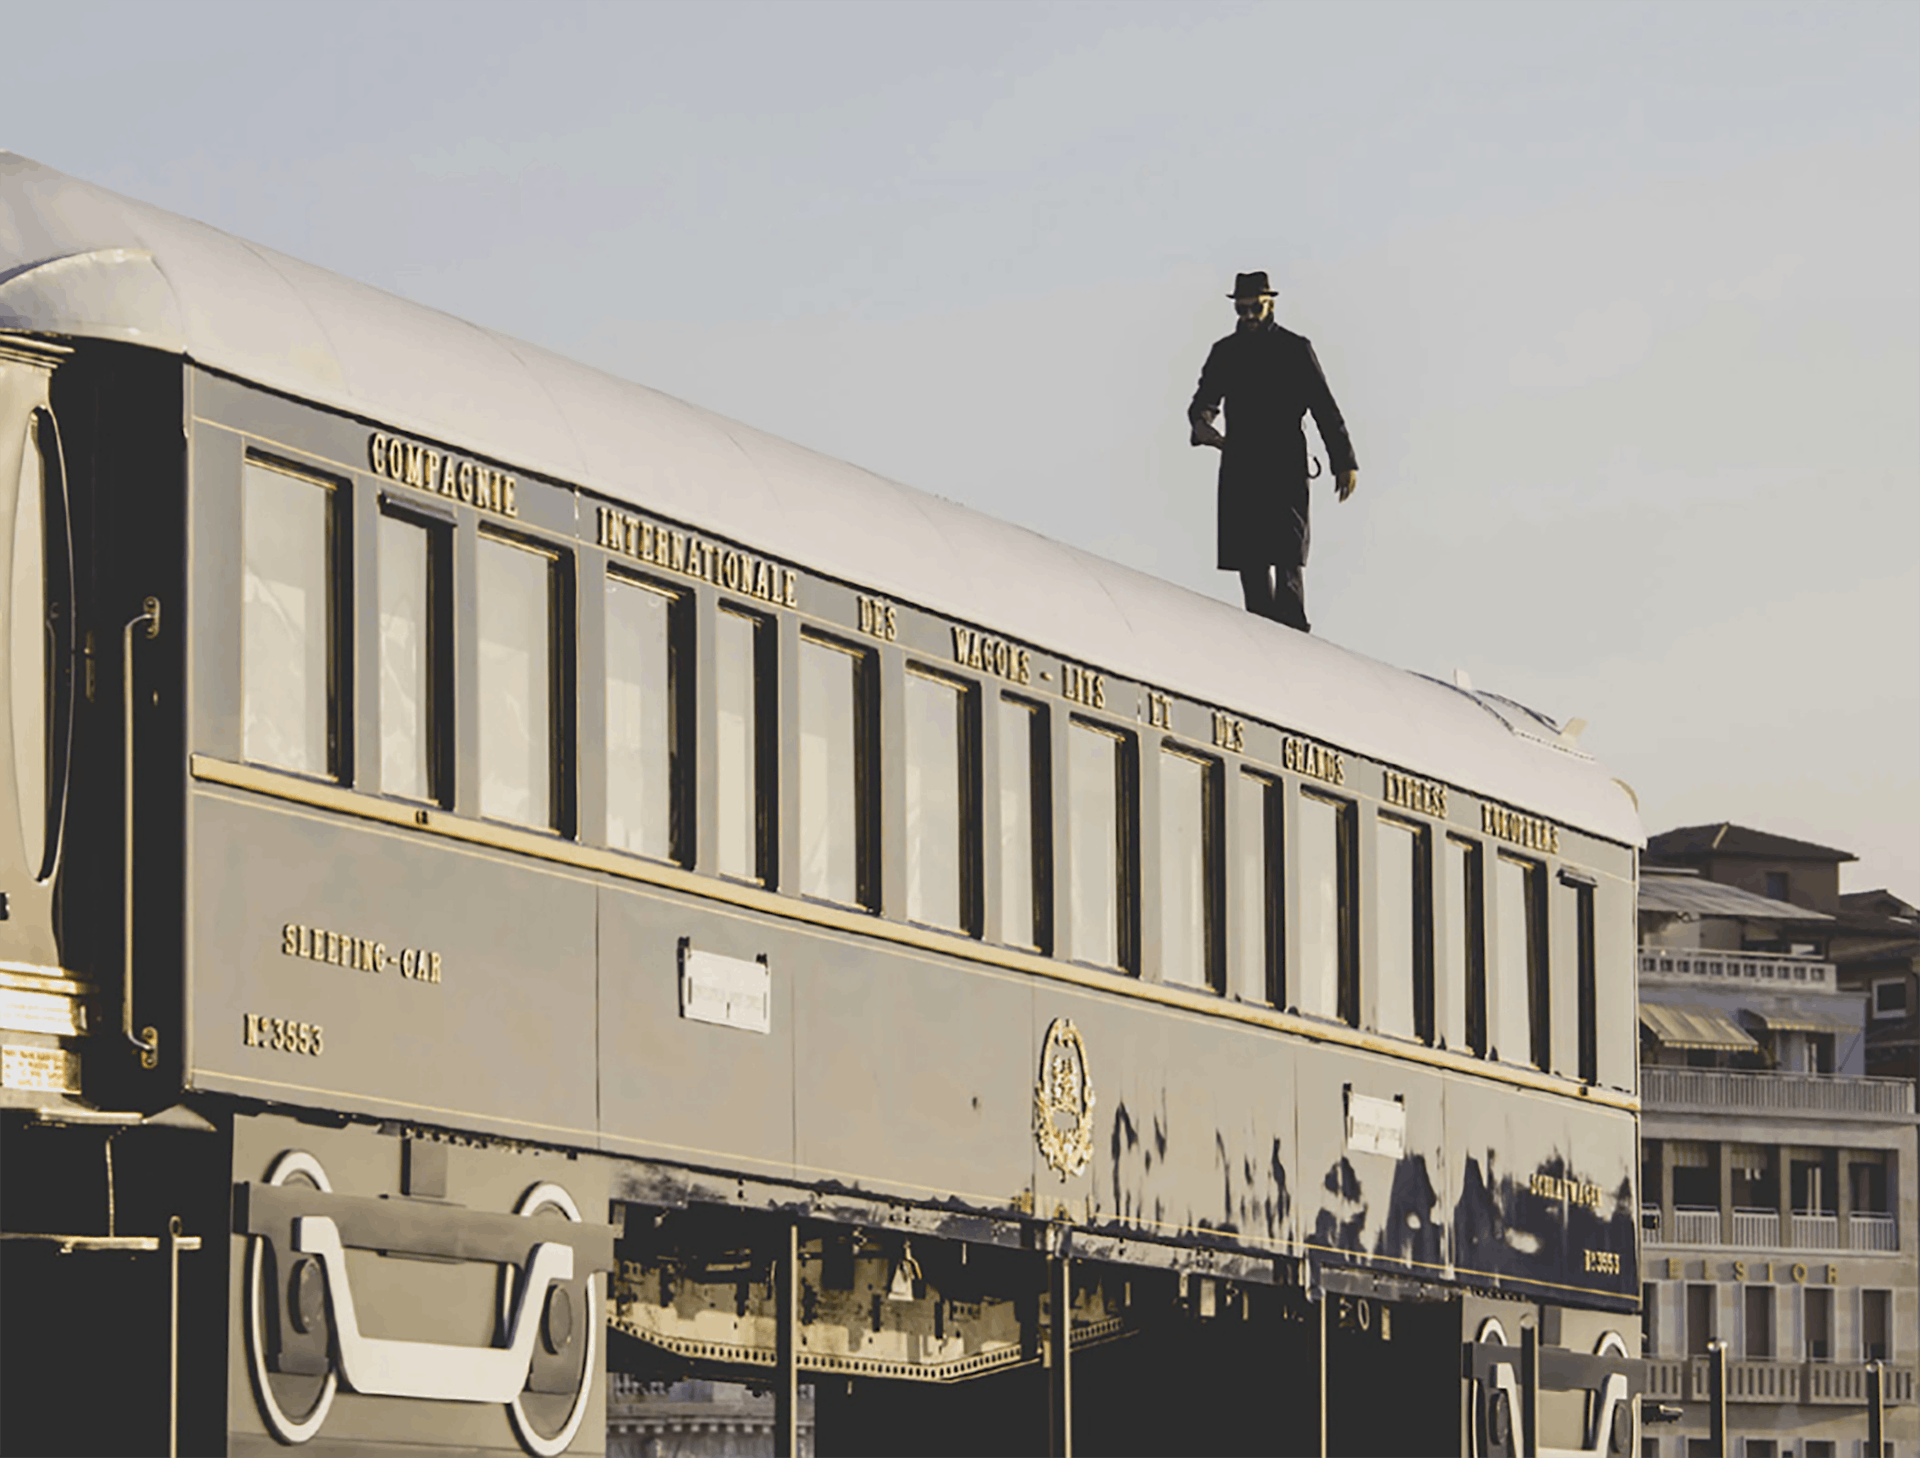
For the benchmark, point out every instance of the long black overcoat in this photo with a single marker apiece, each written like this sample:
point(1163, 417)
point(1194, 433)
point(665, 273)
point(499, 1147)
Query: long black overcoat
point(1268, 378)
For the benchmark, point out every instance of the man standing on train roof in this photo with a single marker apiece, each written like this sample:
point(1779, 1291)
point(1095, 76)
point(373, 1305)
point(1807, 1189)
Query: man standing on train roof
point(1269, 379)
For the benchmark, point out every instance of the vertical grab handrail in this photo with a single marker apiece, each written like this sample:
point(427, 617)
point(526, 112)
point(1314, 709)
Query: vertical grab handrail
point(148, 1041)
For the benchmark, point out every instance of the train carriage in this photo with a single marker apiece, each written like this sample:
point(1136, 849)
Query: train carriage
point(510, 877)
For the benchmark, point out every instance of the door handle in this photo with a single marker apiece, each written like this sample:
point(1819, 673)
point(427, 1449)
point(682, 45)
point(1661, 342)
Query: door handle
point(148, 1039)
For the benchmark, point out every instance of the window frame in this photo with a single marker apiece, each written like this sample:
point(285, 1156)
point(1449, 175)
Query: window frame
point(562, 641)
point(971, 850)
point(683, 737)
point(442, 714)
point(1537, 977)
point(763, 675)
point(1268, 832)
point(1883, 1014)
point(1126, 791)
point(1213, 896)
point(1039, 784)
point(866, 766)
point(1586, 991)
point(1421, 890)
point(1347, 908)
point(337, 572)
point(1475, 1027)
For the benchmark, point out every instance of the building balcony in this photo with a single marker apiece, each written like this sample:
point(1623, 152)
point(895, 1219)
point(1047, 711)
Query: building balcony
point(1775, 971)
point(1810, 1230)
point(1764, 1092)
point(1687, 1379)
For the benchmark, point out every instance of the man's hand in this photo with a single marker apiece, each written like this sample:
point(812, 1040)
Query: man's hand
point(1204, 434)
point(1346, 484)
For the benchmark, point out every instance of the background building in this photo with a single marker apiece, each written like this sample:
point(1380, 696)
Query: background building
point(1778, 1175)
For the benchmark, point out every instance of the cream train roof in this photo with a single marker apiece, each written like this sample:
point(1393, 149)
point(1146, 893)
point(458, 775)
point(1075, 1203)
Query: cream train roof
point(78, 261)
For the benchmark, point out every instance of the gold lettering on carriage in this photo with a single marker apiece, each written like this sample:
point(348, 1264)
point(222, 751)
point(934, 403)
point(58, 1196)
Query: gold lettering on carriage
point(1316, 761)
point(1574, 1192)
point(1523, 830)
point(1426, 796)
point(408, 463)
point(688, 555)
point(992, 655)
point(358, 954)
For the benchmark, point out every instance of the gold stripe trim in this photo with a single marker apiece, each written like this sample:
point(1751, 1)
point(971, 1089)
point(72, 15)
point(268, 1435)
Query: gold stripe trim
point(550, 848)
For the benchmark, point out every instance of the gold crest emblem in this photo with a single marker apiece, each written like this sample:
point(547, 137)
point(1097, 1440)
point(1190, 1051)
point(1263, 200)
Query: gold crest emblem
point(1063, 1101)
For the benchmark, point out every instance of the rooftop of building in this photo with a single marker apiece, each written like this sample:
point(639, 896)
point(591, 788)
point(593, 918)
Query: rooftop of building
point(1684, 892)
point(1727, 839)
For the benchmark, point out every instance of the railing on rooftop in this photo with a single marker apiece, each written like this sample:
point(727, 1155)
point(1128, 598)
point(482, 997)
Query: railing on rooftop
point(1760, 1230)
point(1687, 1379)
point(1767, 1092)
point(1777, 969)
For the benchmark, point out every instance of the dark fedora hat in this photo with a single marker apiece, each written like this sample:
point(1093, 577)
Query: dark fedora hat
point(1250, 286)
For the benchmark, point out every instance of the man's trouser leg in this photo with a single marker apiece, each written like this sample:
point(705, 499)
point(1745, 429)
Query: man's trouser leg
point(1290, 587)
point(1257, 585)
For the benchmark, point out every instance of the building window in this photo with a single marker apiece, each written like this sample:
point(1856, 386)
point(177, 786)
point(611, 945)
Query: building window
point(1328, 981)
point(1876, 1326)
point(1190, 829)
point(1760, 1448)
point(1700, 1322)
point(1259, 898)
point(1524, 1028)
point(518, 591)
point(1890, 998)
point(1759, 1323)
point(1404, 964)
point(1026, 840)
point(1819, 1323)
point(1586, 976)
point(942, 802)
point(1817, 1448)
point(1100, 840)
point(1466, 942)
point(1649, 1319)
point(1867, 1174)
point(1777, 886)
point(743, 680)
point(648, 703)
point(836, 779)
point(415, 666)
point(290, 677)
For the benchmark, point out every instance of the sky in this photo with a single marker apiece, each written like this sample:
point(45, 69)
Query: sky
point(1621, 302)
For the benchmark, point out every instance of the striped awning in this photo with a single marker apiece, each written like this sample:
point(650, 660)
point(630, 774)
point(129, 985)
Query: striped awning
point(1694, 1027)
point(1810, 1020)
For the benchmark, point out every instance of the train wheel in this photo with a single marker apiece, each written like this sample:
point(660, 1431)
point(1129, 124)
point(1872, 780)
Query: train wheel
point(294, 1404)
point(547, 1413)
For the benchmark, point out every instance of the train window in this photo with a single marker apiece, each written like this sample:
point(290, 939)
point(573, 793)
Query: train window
point(942, 841)
point(1024, 841)
point(413, 613)
point(289, 670)
point(517, 588)
point(1465, 949)
point(1189, 869)
point(1100, 840)
point(27, 647)
point(1586, 993)
point(1522, 1029)
point(836, 785)
point(1326, 984)
point(1258, 899)
point(1404, 907)
point(647, 701)
point(743, 676)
